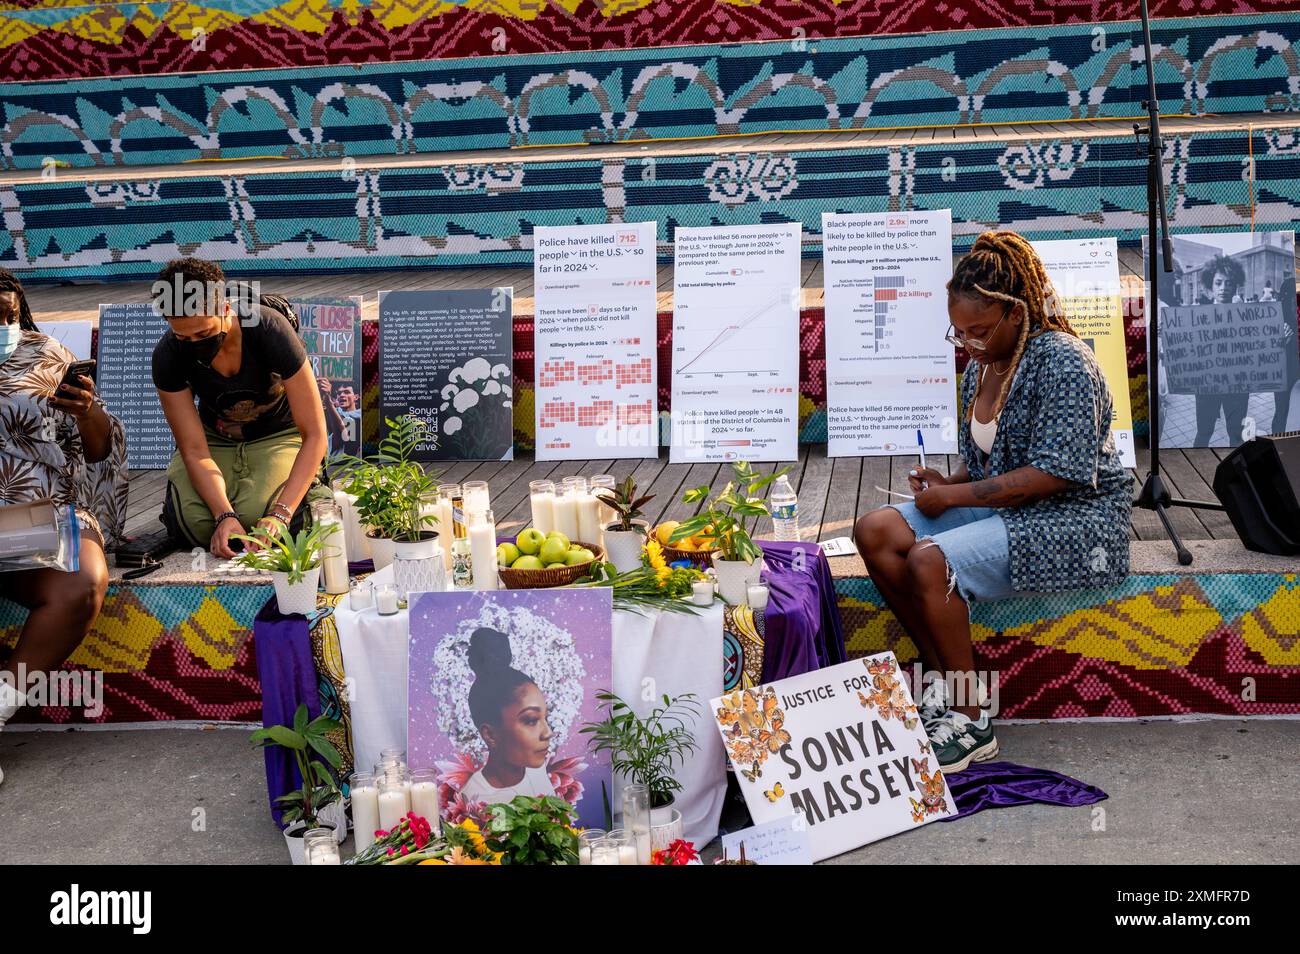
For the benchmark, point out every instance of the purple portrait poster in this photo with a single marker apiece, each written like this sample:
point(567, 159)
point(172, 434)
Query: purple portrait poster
point(500, 684)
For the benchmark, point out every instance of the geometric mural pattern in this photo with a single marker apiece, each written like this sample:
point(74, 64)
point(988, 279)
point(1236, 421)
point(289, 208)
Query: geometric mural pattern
point(1227, 64)
point(1156, 645)
point(49, 39)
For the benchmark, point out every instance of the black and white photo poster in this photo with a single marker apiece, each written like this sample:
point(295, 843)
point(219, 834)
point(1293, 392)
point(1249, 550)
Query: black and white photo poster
point(1229, 342)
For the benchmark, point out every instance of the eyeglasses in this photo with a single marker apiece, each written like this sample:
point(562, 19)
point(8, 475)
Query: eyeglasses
point(958, 340)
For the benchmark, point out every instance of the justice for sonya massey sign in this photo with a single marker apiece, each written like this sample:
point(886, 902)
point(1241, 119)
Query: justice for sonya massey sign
point(841, 746)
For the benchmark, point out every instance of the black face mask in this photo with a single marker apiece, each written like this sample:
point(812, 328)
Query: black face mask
point(204, 350)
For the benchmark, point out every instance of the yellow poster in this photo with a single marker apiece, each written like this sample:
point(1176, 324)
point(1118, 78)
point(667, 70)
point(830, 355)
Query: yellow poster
point(1085, 273)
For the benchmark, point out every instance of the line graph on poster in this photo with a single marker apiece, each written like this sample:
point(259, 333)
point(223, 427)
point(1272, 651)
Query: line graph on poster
point(716, 335)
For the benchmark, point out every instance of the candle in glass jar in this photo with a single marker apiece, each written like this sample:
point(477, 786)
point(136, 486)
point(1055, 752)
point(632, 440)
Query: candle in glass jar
point(702, 592)
point(603, 484)
point(394, 801)
point(541, 496)
point(424, 796)
point(354, 535)
point(758, 595)
point(566, 514)
point(334, 554)
point(588, 518)
point(386, 599)
point(483, 550)
point(475, 493)
point(365, 809)
point(362, 596)
point(446, 531)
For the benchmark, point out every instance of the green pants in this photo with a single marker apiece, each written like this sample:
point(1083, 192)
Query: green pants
point(255, 473)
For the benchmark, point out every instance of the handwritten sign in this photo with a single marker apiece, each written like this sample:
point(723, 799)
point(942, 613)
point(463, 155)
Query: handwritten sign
point(843, 746)
point(782, 842)
point(331, 334)
point(1225, 349)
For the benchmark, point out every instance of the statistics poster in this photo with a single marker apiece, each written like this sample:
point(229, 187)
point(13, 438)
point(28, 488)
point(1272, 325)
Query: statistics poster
point(124, 379)
point(1229, 342)
point(1085, 273)
point(736, 343)
point(842, 747)
point(331, 333)
point(446, 357)
point(889, 371)
point(595, 379)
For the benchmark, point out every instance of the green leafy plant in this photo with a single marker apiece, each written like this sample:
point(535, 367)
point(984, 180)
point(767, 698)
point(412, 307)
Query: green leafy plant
point(533, 831)
point(282, 551)
point(642, 588)
point(626, 504)
point(319, 788)
point(733, 513)
point(647, 750)
point(392, 487)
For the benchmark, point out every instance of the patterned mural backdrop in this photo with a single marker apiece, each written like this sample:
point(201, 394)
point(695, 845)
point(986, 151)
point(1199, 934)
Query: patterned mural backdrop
point(55, 39)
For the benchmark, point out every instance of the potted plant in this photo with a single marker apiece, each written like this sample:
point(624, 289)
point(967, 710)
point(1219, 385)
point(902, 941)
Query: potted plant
point(293, 560)
point(625, 537)
point(533, 831)
point(647, 751)
point(304, 807)
point(733, 514)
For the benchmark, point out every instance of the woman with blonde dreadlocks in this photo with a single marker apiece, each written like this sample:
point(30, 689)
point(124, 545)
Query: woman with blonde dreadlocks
point(1040, 502)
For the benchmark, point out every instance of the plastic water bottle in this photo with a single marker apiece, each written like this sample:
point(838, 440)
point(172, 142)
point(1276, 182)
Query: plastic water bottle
point(784, 505)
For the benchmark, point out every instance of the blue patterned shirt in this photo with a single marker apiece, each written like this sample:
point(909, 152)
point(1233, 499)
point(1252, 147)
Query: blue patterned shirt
point(1057, 418)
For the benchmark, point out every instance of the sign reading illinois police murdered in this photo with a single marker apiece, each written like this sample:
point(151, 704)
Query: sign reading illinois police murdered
point(843, 746)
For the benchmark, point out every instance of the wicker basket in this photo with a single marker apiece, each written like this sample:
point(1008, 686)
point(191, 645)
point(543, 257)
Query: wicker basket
point(700, 559)
point(555, 576)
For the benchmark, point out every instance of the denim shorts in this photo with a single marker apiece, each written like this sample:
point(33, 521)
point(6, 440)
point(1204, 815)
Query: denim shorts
point(974, 542)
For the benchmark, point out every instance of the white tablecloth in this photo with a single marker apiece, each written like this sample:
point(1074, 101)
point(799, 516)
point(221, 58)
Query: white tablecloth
point(654, 654)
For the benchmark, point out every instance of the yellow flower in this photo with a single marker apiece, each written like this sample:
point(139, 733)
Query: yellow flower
point(655, 554)
point(433, 861)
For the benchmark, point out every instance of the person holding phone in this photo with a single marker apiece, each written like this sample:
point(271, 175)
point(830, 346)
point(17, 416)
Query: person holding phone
point(249, 454)
point(1039, 503)
point(57, 442)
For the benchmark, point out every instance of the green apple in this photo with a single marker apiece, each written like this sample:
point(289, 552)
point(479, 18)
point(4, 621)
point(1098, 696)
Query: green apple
point(580, 555)
point(507, 554)
point(527, 563)
point(530, 541)
point(554, 550)
point(556, 535)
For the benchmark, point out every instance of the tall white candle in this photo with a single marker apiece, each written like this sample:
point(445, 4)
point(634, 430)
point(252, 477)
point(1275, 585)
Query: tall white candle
point(365, 814)
point(354, 535)
point(476, 496)
point(543, 504)
point(566, 515)
point(588, 519)
point(424, 801)
point(334, 558)
point(483, 550)
point(393, 804)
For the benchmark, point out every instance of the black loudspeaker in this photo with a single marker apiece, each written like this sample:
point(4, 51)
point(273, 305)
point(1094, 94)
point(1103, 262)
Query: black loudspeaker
point(1259, 486)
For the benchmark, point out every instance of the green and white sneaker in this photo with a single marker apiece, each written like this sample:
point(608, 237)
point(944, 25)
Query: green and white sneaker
point(934, 702)
point(958, 741)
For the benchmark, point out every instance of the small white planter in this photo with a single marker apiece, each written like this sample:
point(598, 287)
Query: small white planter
point(735, 577)
point(335, 816)
point(293, 841)
point(300, 597)
point(381, 549)
point(624, 546)
point(666, 827)
point(418, 566)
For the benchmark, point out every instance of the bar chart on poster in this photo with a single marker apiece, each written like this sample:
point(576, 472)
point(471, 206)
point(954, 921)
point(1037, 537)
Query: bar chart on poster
point(736, 343)
point(889, 372)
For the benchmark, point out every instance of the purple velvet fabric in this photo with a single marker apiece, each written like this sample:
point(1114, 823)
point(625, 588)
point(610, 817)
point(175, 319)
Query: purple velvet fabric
point(802, 621)
point(1003, 784)
point(358, 567)
point(287, 673)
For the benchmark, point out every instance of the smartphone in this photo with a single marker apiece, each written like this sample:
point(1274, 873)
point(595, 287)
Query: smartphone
point(75, 370)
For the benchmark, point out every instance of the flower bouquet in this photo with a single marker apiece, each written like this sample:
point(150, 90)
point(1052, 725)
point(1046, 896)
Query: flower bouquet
point(411, 841)
point(680, 852)
point(655, 584)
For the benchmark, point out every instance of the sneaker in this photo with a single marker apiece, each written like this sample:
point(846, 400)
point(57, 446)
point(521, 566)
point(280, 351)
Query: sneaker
point(958, 741)
point(934, 703)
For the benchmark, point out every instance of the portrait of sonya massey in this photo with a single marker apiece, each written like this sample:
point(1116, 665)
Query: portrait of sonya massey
point(499, 685)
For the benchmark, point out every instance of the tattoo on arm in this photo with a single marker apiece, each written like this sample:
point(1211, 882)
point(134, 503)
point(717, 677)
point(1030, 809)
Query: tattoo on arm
point(1016, 488)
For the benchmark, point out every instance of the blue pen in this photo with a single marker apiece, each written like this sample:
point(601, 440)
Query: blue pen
point(920, 441)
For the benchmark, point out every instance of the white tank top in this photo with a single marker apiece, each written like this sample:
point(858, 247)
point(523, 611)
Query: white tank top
point(983, 434)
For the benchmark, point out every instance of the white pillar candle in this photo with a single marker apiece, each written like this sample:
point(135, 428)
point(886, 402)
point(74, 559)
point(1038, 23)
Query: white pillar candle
point(354, 535)
point(588, 519)
point(424, 801)
point(643, 848)
point(483, 550)
point(445, 531)
point(334, 558)
point(393, 804)
point(566, 515)
point(365, 814)
point(476, 496)
point(543, 505)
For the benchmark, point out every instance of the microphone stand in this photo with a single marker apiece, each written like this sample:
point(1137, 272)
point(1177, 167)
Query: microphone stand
point(1154, 495)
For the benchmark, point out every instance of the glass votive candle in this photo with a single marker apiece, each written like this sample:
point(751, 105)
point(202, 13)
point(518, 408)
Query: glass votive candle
point(626, 846)
point(386, 599)
point(758, 594)
point(365, 808)
point(475, 494)
point(604, 852)
point(702, 592)
point(361, 596)
point(636, 819)
point(424, 796)
point(319, 847)
point(394, 801)
point(586, 839)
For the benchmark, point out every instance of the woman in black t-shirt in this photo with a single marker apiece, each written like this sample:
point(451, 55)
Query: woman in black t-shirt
point(250, 453)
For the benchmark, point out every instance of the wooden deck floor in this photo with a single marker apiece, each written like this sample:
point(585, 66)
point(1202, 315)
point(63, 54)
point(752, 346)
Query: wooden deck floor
point(833, 493)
